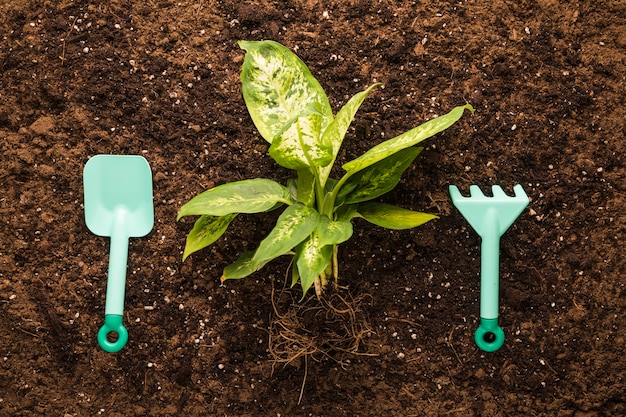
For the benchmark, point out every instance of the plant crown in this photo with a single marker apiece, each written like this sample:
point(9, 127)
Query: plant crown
point(291, 111)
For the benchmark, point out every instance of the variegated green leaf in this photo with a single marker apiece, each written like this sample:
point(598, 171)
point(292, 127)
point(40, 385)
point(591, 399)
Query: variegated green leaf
point(292, 227)
point(392, 217)
point(300, 144)
point(410, 138)
point(306, 187)
point(206, 230)
point(247, 196)
point(242, 267)
point(302, 188)
point(379, 178)
point(333, 232)
point(312, 258)
point(278, 88)
point(292, 186)
point(337, 129)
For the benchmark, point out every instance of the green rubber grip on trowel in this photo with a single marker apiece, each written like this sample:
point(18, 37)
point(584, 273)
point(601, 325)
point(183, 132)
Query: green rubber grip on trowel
point(112, 324)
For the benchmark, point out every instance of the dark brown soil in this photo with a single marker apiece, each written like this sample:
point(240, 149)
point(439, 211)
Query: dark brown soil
point(160, 79)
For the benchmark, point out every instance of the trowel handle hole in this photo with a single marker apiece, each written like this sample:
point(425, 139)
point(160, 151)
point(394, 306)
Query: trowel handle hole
point(489, 336)
point(112, 336)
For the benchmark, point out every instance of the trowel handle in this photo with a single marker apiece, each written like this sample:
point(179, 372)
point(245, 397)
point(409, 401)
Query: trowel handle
point(116, 289)
point(489, 336)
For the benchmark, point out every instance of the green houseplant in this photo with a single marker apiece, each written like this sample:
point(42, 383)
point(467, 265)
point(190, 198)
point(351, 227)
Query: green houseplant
point(292, 112)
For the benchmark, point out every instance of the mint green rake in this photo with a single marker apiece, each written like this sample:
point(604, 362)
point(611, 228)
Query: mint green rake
point(490, 217)
point(118, 203)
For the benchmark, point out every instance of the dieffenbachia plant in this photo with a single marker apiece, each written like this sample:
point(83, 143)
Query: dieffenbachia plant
point(292, 112)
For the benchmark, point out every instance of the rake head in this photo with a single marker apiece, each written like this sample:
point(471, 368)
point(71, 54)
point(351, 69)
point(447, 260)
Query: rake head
point(489, 214)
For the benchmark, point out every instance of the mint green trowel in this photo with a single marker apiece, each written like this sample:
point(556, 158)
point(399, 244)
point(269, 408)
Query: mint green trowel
point(490, 217)
point(118, 203)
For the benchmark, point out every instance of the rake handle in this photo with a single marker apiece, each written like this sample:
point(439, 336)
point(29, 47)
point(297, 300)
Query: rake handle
point(489, 336)
point(489, 275)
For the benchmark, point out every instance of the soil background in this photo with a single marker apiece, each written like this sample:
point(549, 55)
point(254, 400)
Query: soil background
point(159, 78)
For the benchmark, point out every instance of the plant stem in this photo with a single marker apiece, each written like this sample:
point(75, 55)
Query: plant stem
point(335, 263)
point(320, 197)
point(332, 196)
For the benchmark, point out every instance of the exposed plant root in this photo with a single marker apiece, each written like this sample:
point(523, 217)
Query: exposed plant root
point(333, 327)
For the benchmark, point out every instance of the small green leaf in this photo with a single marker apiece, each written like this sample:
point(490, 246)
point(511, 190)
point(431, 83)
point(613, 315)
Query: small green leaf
point(242, 267)
point(410, 138)
point(337, 129)
point(346, 189)
point(379, 178)
point(292, 186)
point(295, 274)
point(333, 232)
point(206, 230)
point(292, 227)
point(392, 217)
point(278, 88)
point(306, 187)
point(346, 212)
point(247, 196)
point(312, 259)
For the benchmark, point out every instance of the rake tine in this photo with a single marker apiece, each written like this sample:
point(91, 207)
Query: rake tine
point(455, 193)
point(475, 191)
point(519, 192)
point(498, 192)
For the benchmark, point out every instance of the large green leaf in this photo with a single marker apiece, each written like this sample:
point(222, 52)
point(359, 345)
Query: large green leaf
point(300, 145)
point(247, 196)
point(278, 88)
point(337, 129)
point(293, 226)
point(379, 178)
point(407, 139)
point(333, 232)
point(206, 230)
point(392, 217)
point(312, 258)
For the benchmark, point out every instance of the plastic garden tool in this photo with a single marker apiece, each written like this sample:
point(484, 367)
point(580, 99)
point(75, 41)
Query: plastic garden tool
point(490, 217)
point(118, 203)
